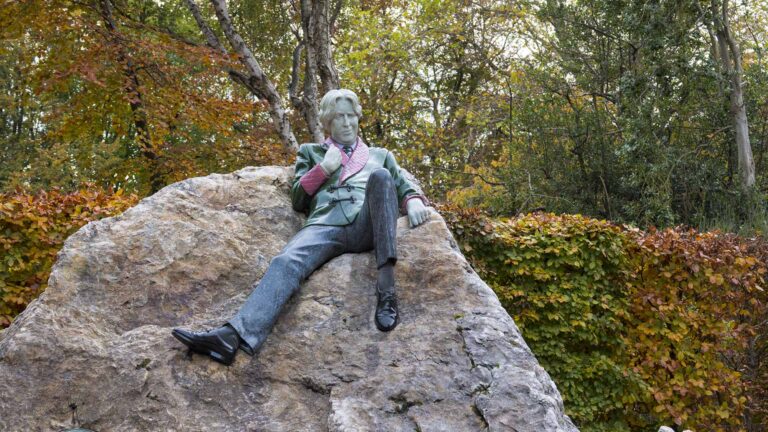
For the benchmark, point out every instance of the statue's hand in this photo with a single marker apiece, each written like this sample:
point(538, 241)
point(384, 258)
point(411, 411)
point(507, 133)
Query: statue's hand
point(332, 160)
point(417, 212)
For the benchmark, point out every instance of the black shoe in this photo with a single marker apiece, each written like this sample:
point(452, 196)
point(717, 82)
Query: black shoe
point(386, 309)
point(220, 344)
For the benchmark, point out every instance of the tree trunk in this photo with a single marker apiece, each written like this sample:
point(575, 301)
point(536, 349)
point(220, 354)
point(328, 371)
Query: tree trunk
point(210, 38)
point(257, 81)
point(309, 99)
point(730, 59)
point(135, 98)
point(329, 76)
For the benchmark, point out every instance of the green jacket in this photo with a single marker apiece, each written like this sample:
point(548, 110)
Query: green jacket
point(340, 198)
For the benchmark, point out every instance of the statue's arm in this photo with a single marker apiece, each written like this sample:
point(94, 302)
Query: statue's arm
point(307, 178)
point(405, 189)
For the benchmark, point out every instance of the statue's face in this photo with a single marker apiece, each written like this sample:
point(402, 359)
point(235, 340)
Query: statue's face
point(344, 123)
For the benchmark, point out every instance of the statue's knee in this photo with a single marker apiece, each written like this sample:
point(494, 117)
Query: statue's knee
point(381, 175)
point(290, 266)
point(284, 262)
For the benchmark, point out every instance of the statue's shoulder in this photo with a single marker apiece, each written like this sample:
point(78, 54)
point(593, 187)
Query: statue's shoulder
point(378, 154)
point(309, 148)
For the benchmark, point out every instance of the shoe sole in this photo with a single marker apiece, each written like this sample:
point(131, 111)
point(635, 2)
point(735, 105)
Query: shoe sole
point(386, 329)
point(204, 349)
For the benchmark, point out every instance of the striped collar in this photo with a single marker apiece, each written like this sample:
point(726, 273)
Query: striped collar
point(351, 164)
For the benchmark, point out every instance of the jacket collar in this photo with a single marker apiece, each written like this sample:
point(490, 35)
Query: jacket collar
point(351, 164)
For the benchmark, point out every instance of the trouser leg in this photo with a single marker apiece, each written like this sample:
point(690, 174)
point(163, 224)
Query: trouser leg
point(379, 218)
point(376, 224)
point(310, 248)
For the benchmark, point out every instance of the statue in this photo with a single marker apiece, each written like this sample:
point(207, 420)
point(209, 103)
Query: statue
point(351, 193)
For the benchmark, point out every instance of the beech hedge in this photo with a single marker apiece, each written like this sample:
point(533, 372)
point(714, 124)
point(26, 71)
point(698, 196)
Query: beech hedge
point(637, 329)
point(33, 228)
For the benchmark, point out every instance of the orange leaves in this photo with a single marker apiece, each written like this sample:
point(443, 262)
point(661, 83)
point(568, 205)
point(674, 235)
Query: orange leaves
point(694, 300)
point(637, 328)
point(32, 230)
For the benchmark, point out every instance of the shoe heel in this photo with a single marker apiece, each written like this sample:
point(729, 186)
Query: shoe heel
point(220, 358)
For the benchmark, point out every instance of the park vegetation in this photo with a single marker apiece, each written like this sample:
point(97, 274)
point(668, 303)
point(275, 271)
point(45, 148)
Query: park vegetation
point(649, 118)
point(637, 328)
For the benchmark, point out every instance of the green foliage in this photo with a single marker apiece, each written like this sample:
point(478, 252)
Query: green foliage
point(614, 109)
point(637, 328)
point(33, 229)
point(561, 278)
point(433, 86)
point(621, 112)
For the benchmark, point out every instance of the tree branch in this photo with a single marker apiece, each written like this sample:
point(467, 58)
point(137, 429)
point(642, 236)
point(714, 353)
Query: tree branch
point(211, 39)
point(294, 84)
point(335, 14)
point(256, 77)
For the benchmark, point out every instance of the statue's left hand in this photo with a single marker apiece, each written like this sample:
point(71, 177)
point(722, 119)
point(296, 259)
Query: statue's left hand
point(417, 212)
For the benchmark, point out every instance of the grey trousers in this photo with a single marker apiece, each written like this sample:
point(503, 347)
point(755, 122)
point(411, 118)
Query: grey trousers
point(374, 227)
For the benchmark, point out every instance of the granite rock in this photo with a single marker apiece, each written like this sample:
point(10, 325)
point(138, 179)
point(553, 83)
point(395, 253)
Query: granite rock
point(95, 350)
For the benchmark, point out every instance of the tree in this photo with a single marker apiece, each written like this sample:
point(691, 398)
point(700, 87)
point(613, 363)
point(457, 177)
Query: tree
point(313, 40)
point(132, 88)
point(127, 97)
point(726, 49)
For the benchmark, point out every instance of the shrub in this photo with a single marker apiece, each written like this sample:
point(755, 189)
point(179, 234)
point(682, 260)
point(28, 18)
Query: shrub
point(33, 229)
point(636, 328)
point(693, 296)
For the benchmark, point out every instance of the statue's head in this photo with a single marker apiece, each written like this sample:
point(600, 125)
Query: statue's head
point(340, 112)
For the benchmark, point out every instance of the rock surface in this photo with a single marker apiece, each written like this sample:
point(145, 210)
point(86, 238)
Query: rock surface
point(95, 350)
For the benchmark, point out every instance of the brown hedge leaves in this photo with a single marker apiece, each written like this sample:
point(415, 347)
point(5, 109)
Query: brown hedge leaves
point(33, 229)
point(637, 328)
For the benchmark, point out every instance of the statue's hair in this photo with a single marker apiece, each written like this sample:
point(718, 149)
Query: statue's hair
point(328, 106)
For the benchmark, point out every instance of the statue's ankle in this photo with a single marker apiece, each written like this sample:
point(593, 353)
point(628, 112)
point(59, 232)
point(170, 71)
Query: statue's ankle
point(386, 277)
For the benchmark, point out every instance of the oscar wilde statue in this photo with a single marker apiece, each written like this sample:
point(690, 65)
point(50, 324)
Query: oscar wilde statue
point(352, 194)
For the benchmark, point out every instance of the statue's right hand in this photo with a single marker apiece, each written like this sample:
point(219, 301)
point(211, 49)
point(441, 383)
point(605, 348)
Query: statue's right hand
point(332, 160)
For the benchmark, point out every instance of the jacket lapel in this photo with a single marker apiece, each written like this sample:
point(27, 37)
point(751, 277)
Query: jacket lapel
point(356, 162)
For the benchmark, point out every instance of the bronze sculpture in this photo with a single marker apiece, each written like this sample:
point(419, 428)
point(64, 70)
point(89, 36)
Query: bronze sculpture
point(351, 193)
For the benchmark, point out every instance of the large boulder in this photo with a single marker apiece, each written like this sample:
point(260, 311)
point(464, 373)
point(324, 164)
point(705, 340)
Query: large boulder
point(96, 351)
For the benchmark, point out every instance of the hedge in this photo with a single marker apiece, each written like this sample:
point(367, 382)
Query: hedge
point(33, 228)
point(637, 328)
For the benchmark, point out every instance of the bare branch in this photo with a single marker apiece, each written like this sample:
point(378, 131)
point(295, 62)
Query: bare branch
point(258, 81)
point(210, 37)
point(294, 84)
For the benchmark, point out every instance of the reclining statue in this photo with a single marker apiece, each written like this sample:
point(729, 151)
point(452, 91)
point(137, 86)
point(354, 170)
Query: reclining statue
point(352, 193)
